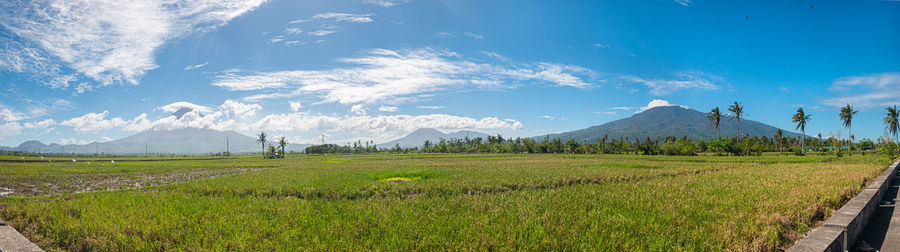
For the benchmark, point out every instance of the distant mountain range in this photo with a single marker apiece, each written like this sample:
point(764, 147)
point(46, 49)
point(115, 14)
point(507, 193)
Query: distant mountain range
point(417, 138)
point(655, 122)
point(668, 121)
point(179, 141)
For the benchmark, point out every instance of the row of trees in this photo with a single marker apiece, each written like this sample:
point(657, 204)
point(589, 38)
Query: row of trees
point(746, 145)
point(738, 145)
point(801, 118)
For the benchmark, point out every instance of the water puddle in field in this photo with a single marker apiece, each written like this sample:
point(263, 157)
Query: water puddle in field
point(5, 191)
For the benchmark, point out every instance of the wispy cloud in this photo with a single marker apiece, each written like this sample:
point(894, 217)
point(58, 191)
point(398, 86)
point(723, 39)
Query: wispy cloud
point(683, 2)
point(292, 31)
point(866, 91)
point(345, 17)
point(457, 35)
point(601, 45)
point(393, 76)
point(433, 107)
point(387, 3)
point(108, 41)
point(684, 80)
point(192, 67)
point(388, 109)
point(320, 33)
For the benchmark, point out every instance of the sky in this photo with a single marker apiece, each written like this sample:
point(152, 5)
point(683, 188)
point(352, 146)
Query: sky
point(85, 71)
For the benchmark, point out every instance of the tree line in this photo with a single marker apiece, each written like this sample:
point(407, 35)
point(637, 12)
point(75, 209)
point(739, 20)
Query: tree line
point(669, 145)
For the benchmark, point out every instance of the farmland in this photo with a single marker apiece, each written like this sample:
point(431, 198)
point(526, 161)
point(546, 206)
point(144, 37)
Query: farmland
point(429, 201)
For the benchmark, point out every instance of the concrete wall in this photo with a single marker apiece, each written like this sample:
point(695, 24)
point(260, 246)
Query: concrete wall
point(841, 230)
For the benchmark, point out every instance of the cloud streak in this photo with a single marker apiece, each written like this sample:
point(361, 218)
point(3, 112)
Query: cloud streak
point(108, 41)
point(866, 91)
point(382, 75)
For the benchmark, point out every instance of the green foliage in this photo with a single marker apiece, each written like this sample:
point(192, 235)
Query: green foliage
point(442, 202)
point(679, 148)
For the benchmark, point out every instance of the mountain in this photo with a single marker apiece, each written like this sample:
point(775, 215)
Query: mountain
point(178, 141)
point(668, 121)
point(417, 138)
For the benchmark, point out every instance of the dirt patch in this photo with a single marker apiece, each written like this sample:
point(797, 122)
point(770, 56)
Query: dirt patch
point(78, 184)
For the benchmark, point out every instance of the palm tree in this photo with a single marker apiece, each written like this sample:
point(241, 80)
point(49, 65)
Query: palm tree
point(847, 113)
point(261, 139)
point(801, 118)
point(738, 110)
point(891, 125)
point(779, 137)
point(281, 143)
point(715, 117)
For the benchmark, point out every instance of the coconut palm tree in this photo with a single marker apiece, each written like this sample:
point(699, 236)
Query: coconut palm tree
point(847, 113)
point(281, 143)
point(891, 125)
point(715, 117)
point(779, 137)
point(738, 111)
point(801, 118)
point(261, 139)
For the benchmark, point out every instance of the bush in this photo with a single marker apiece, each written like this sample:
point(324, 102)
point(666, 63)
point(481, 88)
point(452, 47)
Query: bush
point(679, 148)
point(798, 152)
point(839, 153)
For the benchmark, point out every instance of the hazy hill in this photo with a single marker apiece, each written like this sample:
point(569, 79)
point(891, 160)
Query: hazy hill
point(668, 121)
point(179, 141)
point(418, 137)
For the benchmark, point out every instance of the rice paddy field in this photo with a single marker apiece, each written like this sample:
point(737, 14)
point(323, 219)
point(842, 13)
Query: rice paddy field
point(429, 202)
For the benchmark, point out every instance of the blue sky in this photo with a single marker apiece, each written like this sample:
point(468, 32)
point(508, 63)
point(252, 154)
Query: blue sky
point(77, 72)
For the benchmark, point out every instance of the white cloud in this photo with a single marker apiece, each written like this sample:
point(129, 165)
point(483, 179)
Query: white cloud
point(108, 41)
point(431, 107)
point(605, 112)
point(94, 122)
point(358, 109)
point(387, 3)
point(175, 106)
point(295, 105)
point(685, 80)
point(621, 108)
point(345, 17)
point(473, 35)
point(683, 2)
point(658, 103)
point(9, 115)
point(383, 127)
point(601, 45)
point(10, 129)
point(106, 139)
point(458, 35)
point(239, 110)
point(192, 67)
point(224, 117)
point(46, 123)
point(322, 32)
point(866, 91)
point(293, 31)
point(547, 117)
point(392, 76)
point(388, 109)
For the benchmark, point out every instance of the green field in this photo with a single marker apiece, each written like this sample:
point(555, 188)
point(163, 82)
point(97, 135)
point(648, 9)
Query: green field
point(431, 201)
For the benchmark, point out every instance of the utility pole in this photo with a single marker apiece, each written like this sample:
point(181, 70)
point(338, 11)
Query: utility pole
point(227, 148)
point(323, 138)
point(146, 149)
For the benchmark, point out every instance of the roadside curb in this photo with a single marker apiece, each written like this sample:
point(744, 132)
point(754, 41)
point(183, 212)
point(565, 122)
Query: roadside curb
point(844, 226)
